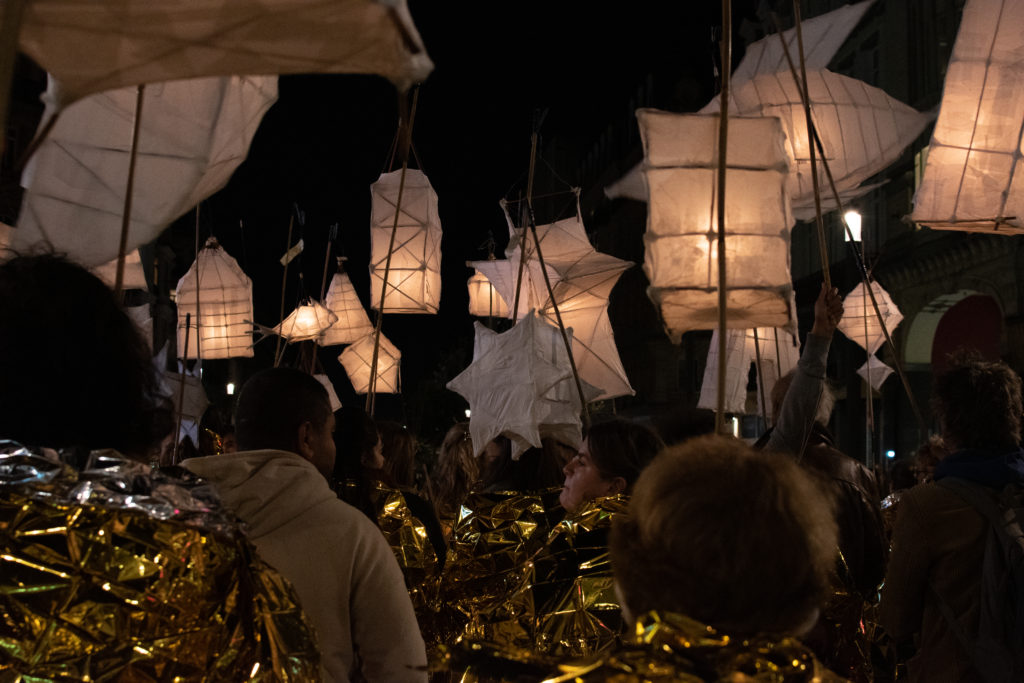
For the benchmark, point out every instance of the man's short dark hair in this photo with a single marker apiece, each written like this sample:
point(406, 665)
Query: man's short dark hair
point(272, 406)
point(978, 403)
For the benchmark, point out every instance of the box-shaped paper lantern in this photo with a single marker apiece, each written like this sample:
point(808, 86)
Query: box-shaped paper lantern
point(357, 360)
point(225, 306)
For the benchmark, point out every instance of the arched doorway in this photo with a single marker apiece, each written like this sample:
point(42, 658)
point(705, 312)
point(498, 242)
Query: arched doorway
point(964, 319)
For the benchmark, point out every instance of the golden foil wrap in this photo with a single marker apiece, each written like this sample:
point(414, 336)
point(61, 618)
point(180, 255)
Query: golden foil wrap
point(661, 648)
point(121, 573)
point(409, 541)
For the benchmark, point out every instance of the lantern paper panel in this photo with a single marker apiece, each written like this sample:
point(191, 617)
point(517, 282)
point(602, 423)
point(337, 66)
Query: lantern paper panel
point(778, 353)
point(520, 384)
point(503, 274)
point(484, 299)
point(874, 372)
point(973, 176)
point(225, 306)
point(190, 405)
point(307, 322)
point(862, 129)
point(681, 249)
point(860, 323)
point(332, 395)
point(414, 278)
point(134, 276)
point(357, 360)
point(343, 302)
point(143, 320)
point(594, 350)
point(192, 136)
point(107, 44)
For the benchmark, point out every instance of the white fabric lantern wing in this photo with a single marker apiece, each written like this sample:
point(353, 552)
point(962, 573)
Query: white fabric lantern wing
point(107, 44)
point(973, 178)
point(357, 360)
point(778, 355)
point(859, 321)
point(134, 276)
point(484, 298)
point(504, 273)
point(193, 134)
point(681, 255)
point(862, 129)
point(593, 349)
point(143, 320)
point(343, 302)
point(225, 306)
point(332, 395)
point(194, 402)
point(307, 322)
point(874, 372)
point(414, 278)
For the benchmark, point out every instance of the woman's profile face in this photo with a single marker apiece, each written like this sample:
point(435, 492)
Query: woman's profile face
point(583, 481)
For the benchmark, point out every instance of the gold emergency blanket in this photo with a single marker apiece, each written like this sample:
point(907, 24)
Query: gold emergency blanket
point(409, 541)
point(662, 648)
point(120, 573)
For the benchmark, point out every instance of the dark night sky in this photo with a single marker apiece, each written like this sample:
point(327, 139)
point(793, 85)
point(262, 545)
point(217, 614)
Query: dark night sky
point(328, 137)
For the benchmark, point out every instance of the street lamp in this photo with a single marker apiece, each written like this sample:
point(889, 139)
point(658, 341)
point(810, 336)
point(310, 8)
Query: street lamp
point(852, 219)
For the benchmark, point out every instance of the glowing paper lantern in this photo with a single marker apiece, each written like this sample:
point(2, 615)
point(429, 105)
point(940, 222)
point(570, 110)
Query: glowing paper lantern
point(973, 175)
point(343, 302)
point(862, 129)
point(357, 360)
point(414, 278)
point(874, 372)
point(681, 255)
point(778, 354)
point(192, 136)
point(308, 321)
point(223, 325)
point(520, 384)
point(859, 321)
point(106, 44)
point(484, 299)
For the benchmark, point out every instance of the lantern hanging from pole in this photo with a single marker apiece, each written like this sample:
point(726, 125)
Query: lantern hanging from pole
point(874, 372)
point(484, 299)
point(191, 404)
point(307, 322)
point(859, 321)
point(352, 323)
point(778, 353)
point(357, 360)
point(414, 277)
point(225, 310)
point(973, 174)
point(681, 250)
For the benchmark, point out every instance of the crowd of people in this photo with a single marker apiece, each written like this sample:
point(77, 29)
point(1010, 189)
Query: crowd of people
point(304, 544)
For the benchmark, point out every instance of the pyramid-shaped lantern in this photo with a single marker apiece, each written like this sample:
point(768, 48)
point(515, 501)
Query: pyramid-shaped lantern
point(308, 321)
point(342, 301)
point(414, 277)
point(681, 249)
point(859, 321)
point(484, 298)
point(974, 172)
point(357, 360)
point(225, 306)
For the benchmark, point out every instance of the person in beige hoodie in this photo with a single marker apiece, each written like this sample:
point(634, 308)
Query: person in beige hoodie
point(346, 576)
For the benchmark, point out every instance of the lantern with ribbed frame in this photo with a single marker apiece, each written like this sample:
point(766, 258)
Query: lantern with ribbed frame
point(414, 275)
point(352, 323)
point(306, 323)
point(681, 247)
point(225, 306)
point(357, 360)
point(484, 299)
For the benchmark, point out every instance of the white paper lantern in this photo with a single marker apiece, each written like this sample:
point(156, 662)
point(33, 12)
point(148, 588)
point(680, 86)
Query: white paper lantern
point(484, 299)
point(874, 372)
point(307, 322)
point(973, 176)
point(414, 278)
point(357, 360)
point(342, 301)
point(681, 255)
point(778, 354)
point(225, 306)
point(859, 321)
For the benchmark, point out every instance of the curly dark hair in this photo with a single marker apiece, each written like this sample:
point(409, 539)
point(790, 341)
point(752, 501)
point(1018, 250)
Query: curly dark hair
point(75, 370)
point(978, 403)
point(622, 449)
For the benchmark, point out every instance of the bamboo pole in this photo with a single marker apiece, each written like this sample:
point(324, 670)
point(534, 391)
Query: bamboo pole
point(723, 139)
point(199, 337)
point(406, 143)
point(760, 377)
point(126, 215)
point(523, 242)
point(284, 283)
point(181, 391)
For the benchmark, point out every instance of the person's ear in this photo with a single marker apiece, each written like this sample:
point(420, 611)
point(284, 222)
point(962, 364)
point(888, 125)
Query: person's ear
point(304, 440)
point(616, 485)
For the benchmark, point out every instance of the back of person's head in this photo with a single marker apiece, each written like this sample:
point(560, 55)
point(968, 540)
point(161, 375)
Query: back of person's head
point(399, 449)
point(740, 540)
point(978, 403)
point(356, 436)
point(75, 370)
point(928, 456)
point(273, 404)
point(622, 449)
point(826, 401)
point(536, 469)
point(458, 469)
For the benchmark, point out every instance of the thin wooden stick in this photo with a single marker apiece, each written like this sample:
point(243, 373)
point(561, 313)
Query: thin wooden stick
point(406, 142)
point(199, 336)
point(284, 283)
point(723, 139)
point(181, 390)
point(327, 260)
point(126, 216)
point(523, 242)
point(10, 27)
